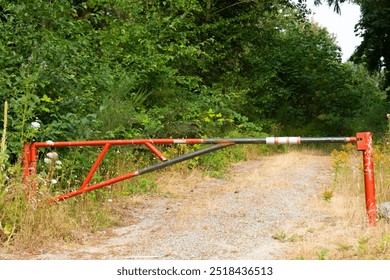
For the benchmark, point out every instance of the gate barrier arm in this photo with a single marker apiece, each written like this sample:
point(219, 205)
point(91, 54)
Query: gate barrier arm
point(30, 157)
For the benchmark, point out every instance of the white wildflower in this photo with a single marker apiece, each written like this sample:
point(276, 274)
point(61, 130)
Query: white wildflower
point(53, 181)
point(52, 155)
point(47, 160)
point(49, 142)
point(43, 65)
point(58, 162)
point(35, 125)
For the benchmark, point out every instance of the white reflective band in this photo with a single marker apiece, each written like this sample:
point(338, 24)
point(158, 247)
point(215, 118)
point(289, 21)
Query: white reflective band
point(282, 140)
point(294, 140)
point(270, 140)
point(179, 141)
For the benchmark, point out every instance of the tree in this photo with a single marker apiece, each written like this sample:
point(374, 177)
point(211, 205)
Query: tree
point(374, 28)
point(301, 84)
point(335, 3)
point(134, 68)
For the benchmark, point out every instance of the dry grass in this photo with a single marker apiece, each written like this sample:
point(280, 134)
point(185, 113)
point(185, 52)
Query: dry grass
point(194, 190)
point(340, 232)
point(30, 226)
point(344, 232)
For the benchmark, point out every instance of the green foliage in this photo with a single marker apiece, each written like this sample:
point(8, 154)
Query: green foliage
point(216, 163)
point(105, 69)
point(317, 95)
point(46, 68)
point(139, 186)
point(374, 28)
point(91, 69)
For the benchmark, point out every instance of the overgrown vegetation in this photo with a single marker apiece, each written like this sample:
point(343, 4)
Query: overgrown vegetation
point(102, 69)
point(344, 201)
point(124, 69)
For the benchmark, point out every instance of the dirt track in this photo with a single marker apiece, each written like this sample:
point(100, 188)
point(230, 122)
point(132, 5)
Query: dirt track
point(242, 216)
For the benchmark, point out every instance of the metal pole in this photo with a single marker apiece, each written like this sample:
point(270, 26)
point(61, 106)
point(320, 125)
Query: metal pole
point(93, 187)
point(95, 166)
point(33, 170)
point(156, 151)
point(148, 142)
point(183, 158)
point(141, 171)
point(365, 144)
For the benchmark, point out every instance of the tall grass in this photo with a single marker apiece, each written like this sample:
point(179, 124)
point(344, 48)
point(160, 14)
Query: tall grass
point(3, 147)
point(344, 233)
point(28, 224)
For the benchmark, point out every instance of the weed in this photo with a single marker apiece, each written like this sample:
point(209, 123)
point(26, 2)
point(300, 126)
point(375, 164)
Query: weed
point(283, 237)
point(280, 236)
point(340, 161)
point(296, 238)
point(141, 185)
point(170, 195)
point(344, 248)
point(322, 255)
point(384, 244)
point(27, 224)
point(327, 194)
point(363, 241)
point(347, 210)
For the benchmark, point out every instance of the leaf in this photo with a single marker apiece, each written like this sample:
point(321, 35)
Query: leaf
point(7, 228)
point(47, 99)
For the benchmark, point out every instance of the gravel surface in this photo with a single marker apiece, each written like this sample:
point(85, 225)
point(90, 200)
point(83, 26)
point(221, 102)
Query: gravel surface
point(237, 217)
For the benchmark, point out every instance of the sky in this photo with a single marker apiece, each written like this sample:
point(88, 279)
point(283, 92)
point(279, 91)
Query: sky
point(340, 25)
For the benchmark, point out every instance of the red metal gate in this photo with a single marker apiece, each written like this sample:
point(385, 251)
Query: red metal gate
point(30, 156)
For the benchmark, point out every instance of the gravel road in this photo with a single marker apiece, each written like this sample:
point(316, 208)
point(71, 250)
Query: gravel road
point(240, 216)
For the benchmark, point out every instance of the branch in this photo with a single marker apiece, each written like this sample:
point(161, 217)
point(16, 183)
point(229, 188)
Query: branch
point(232, 5)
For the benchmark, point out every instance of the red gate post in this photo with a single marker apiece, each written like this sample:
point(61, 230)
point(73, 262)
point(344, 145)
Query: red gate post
point(33, 169)
point(28, 170)
point(365, 144)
